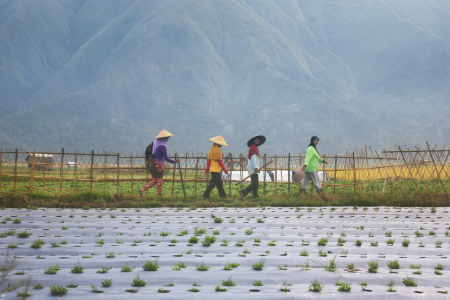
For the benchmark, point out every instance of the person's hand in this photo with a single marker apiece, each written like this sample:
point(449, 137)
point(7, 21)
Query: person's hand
point(257, 170)
point(325, 162)
point(303, 168)
point(206, 171)
point(177, 161)
point(226, 172)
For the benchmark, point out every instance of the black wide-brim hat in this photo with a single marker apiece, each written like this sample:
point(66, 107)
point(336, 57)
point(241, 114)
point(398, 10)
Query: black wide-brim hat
point(262, 140)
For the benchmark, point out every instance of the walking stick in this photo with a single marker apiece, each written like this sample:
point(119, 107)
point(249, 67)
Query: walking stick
point(181, 176)
point(254, 172)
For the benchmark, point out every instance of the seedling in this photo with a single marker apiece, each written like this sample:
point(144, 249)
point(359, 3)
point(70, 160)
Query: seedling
point(208, 240)
point(193, 240)
point(228, 282)
point(323, 242)
point(304, 253)
point(12, 246)
point(439, 267)
point(137, 281)
point(151, 265)
point(249, 231)
point(94, 289)
point(316, 286)
point(358, 243)
point(391, 287)
point(415, 266)
point(344, 287)
point(131, 290)
point(259, 265)
point(202, 267)
point(257, 283)
point(271, 243)
point(438, 244)
point(57, 290)
point(52, 270)
point(393, 264)
point(388, 233)
point(178, 266)
point(103, 270)
point(216, 232)
point(110, 255)
point(323, 254)
point(373, 267)
point(38, 286)
point(405, 243)
point(283, 268)
point(23, 234)
point(194, 290)
point(37, 244)
point(20, 272)
point(409, 281)
point(77, 269)
point(72, 285)
point(219, 289)
point(332, 265)
point(161, 290)
point(224, 243)
point(259, 220)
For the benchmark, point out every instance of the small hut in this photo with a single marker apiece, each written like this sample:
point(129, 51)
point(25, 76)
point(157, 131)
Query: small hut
point(41, 161)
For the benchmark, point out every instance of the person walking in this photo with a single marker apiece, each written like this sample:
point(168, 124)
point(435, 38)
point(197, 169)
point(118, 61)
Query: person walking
point(215, 165)
point(253, 165)
point(311, 168)
point(155, 155)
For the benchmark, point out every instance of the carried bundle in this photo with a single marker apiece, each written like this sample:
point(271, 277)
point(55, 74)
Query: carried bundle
point(298, 174)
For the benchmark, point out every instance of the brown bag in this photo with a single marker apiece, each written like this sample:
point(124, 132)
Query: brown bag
point(298, 174)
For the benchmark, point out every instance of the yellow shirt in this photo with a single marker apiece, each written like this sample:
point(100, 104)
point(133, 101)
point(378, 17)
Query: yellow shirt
point(215, 167)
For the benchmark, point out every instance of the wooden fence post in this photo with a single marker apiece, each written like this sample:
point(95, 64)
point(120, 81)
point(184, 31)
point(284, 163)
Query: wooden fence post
point(118, 173)
point(289, 173)
point(354, 173)
point(1, 166)
point(323, 173)
point(16, 156)
point(105, 163)
point(131, 173)
point(173, 177)
point(265, 175)
point(335, 173)
point(91, 177)
point(61, 172)
point(75, 171)
point(33, 162)
point(276, 168)
point(196, 175)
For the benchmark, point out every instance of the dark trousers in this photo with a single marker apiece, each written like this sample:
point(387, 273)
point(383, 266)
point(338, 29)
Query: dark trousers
point(216, 180)
point(252, 187)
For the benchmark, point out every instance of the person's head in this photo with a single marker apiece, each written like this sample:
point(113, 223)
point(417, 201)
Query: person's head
point(314, 141)
point(164, 139)
point(220, 146)
point(256, 141)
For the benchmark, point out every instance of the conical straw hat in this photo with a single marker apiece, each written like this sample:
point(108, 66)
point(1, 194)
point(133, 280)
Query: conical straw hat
point(298, 175)
point(219, 140)
point(164, 133)
point(262, 140)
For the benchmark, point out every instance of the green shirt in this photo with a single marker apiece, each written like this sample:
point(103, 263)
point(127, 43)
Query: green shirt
point(312, 160)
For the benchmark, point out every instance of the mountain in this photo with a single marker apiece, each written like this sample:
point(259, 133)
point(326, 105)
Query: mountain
point(109, 75)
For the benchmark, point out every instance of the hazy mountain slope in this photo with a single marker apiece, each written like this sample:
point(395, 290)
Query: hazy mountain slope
point(111, 74)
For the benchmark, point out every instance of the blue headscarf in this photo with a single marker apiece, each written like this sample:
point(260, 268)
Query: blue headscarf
point(312, 143)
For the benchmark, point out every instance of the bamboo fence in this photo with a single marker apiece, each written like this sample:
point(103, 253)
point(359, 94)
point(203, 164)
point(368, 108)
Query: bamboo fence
point(364, 171)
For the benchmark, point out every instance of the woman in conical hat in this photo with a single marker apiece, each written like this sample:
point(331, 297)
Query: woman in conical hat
point(215, 165)
point(311, 167)
point(253, 165)
point(156, 163)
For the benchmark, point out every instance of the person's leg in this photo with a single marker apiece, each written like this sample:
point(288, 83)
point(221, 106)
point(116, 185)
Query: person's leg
point(159, 186)
point(248, 189)
point(149, 184)
point(219, 184)
point(211, 185)
point(255, 182)
point(316, 182)
point(305, 183)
